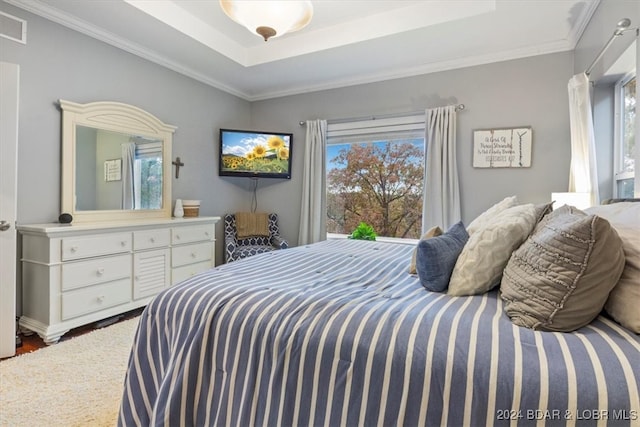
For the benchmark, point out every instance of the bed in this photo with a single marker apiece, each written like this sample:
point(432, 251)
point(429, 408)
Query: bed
point(338, 333)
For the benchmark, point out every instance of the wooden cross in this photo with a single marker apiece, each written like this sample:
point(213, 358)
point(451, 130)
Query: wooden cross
point(177, 164)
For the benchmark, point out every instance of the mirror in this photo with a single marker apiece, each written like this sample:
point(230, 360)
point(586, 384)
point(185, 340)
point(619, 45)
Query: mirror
point(116, 162)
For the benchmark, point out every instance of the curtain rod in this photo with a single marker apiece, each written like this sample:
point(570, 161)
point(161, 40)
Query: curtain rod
point(459, 107)
point(621, 27)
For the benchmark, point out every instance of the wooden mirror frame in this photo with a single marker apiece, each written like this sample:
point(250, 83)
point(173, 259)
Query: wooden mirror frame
point(116, 117)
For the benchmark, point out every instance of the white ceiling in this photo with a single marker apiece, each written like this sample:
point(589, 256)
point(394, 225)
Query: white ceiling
point(347, 42)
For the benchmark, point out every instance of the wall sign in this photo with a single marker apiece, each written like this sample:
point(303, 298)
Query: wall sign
point(113, 170)
point(502, 148)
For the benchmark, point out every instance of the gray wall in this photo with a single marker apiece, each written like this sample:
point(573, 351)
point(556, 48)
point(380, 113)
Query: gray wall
point(527, 92)
point(86, 168)
point(58, 63)
point(600, 28)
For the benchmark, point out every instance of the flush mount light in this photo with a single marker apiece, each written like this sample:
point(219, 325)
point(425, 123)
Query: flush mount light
point(269, 18)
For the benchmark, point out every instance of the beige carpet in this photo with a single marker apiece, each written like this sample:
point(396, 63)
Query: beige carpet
point(77, 382)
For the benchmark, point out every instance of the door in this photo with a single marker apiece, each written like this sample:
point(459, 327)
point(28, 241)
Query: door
point(9, 81)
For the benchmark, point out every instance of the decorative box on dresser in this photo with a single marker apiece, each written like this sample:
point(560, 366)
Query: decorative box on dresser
point(73, 275)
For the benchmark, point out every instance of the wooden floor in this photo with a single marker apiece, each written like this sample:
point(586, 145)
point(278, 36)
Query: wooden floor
point(33, 342)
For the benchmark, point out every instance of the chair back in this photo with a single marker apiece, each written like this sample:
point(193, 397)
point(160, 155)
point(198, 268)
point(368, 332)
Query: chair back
point(230, 231)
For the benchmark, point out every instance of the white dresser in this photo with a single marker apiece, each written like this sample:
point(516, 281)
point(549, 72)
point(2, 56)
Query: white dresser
point(81, 273)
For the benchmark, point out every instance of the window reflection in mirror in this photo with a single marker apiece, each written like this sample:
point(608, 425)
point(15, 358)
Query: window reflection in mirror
point(117, 171)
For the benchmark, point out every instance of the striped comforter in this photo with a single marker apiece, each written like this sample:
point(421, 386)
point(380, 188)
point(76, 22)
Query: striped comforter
point(338, 333)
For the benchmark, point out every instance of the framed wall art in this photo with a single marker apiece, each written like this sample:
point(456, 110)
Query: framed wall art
point(502, 148)
point(113, 170)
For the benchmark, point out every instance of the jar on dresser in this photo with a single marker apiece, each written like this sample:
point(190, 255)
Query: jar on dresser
point(77, 274)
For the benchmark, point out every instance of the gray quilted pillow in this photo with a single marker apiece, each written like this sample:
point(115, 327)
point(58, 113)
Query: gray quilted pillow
point(561, 276)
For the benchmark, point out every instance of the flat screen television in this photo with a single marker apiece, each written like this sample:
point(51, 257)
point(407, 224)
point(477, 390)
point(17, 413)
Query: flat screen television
point(255, 154)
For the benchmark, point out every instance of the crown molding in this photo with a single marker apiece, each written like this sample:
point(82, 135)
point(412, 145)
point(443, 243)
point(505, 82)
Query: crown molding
point(435, 67)
point(582, 21)
point(43, 10)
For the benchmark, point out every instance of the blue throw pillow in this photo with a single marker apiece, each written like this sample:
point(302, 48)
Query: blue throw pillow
point(437, 256)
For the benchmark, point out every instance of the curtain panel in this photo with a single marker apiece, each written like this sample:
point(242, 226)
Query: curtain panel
point(441, 194)
point(583, 175)
point(313, 207)
point(128, 175)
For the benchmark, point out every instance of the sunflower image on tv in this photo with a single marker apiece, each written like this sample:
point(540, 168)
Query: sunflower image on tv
point(256, 153)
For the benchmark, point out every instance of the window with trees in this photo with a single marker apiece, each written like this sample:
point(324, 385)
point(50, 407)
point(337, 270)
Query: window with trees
point(376, 176)
point(148, 176)
point(625, 149)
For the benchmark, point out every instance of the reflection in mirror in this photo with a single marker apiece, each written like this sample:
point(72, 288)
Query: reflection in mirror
point(116, 162)
point(117, 170)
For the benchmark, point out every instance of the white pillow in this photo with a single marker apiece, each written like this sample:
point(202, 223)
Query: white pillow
point(480, 264)
point(488, 215)
point(623, 303)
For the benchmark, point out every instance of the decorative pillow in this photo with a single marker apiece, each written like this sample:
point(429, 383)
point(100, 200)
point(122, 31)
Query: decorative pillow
point(432, 232)
point(560, 278)
point(543, 210)
point(488, 215)
point(479, 266)
point(437, 256)
point(623, 303)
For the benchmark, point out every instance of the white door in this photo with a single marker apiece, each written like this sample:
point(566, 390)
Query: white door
point(9, 81)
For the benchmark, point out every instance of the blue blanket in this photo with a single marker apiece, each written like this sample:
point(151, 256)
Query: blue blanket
point(338, 333)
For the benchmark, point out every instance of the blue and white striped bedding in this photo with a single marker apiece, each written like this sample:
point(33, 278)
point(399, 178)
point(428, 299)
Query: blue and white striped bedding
point(338, 333)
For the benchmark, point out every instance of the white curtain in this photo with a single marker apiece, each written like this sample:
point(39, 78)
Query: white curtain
point(313, 209)
point(441, 194)
point(583, 175)
point(128, 183)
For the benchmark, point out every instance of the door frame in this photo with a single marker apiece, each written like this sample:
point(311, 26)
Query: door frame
point(9, 98)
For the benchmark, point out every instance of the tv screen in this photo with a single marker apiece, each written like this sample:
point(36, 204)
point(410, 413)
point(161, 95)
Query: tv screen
point(255, 154)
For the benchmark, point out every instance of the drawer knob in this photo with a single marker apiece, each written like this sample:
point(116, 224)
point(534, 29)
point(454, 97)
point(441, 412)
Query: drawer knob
point(123, 243)
point(73, 249)
point(100, 271)
point(152, 240)
point(177, 237)
point(206, 233)
point(193, 255)
point(100, 298)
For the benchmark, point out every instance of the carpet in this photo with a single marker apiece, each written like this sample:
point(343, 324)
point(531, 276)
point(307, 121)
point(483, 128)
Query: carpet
point(77, 382)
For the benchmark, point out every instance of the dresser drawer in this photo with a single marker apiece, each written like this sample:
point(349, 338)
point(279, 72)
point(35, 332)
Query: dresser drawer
point(151, 239)
point(191, 254)
point(96, 245)
point(79, 274)
point(191, 233)
point(182, 273)
point(95, 298)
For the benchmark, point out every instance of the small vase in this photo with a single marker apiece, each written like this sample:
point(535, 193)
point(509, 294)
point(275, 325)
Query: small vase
point(178, 211)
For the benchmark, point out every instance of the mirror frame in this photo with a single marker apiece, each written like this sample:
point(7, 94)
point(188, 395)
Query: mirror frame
point(116, 117)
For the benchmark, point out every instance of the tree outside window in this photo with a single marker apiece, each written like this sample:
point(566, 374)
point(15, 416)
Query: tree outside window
point(625, 162)
point(150, 182)
point(378, 182)
point(629, 139)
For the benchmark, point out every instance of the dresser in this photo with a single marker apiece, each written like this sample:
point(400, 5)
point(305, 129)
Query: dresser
point(77, 274)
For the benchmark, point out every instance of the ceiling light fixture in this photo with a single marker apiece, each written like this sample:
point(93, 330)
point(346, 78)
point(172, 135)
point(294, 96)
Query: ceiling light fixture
point(269, 18)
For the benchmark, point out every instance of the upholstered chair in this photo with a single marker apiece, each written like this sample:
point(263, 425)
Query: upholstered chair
point(238, 248)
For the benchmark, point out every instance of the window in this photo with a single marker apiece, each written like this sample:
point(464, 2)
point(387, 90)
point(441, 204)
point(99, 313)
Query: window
point(375, 174)
point(625, 150)
point(148, 176)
